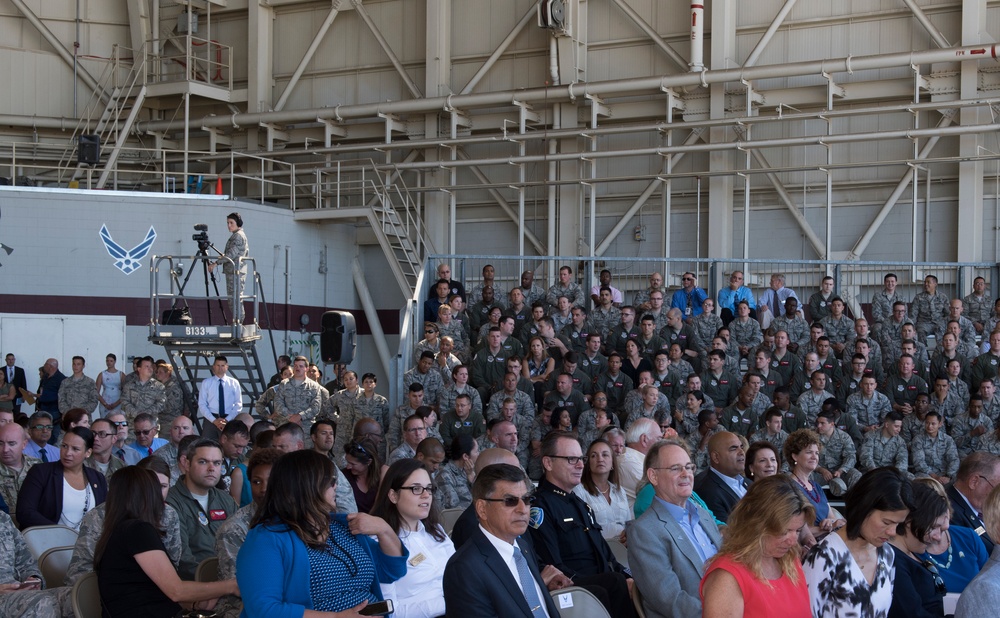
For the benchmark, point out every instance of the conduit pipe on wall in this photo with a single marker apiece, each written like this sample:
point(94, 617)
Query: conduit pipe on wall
point(619, 87)
point(697, 36)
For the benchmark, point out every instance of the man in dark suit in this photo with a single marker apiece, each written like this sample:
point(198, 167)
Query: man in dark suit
point(490, 575)
point(977, 475)
point(15, 376)
point(722, 485)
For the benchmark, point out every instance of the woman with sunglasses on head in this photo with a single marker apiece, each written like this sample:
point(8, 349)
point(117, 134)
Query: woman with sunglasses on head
point(62, 492)
point(302, 560)
point(405, 501)
point(918, 590)
point(363, 472)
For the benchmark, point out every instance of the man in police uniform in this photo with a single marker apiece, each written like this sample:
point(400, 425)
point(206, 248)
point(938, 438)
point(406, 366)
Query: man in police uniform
point(565, 532)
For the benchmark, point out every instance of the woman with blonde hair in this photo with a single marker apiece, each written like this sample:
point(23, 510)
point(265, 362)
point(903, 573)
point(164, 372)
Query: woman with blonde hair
point(757, 570)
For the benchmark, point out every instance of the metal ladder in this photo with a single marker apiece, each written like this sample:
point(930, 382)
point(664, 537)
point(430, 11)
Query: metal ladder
point(400, 232)
point(192, 362)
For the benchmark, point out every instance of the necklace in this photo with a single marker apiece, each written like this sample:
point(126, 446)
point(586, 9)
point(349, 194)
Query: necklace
point(946, 565)
point(606, 492)
point(813, 494)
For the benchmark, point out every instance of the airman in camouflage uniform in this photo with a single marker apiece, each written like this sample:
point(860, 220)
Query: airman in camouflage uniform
point(883, 300)
point(930, 310)
point(91, 527)
point(525, 405)
point(979, 304)
point(744, 331)
point(228, 542)
point(884, 447)
point(635, 406)
point(603, 319)
point(173, 395)
point(838, 328)
point(143, 394)
point(869, 411)
point(586, 425)
point(971, 428)
point(430, 380)
point(18, 565)
point(453, 488)
point(704, 326)
point(795, 327)
point(298, 395)
point(11, 479)
point(934, 455)
point(77, 390)
point(838, 453)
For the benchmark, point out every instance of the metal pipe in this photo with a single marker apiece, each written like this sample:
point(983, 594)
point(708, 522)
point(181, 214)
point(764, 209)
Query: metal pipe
point(618, 87)
point(371, 313)
point(56, 44)
point(652, 34)
point(411, 86)
point(925, 21)
point(552, 207)
point(553, 61)
point(927, 215)
point(769, 33)
point(697, 37)
point(499, 50)
point(76, 60)
point(307, 57)
point(866, 238)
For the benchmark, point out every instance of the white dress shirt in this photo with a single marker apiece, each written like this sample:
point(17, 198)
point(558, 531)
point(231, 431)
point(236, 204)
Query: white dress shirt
point(419, 593)
point(208, 398)
point(506, 551)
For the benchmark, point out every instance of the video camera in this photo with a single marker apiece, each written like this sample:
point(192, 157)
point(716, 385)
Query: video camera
point(201, 237)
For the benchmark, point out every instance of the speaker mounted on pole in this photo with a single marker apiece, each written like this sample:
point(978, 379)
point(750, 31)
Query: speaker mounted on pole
point(338, 337)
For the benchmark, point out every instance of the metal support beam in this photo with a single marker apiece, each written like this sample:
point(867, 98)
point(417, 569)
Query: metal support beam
point(650, 189)
point(970, 173)
point(720, 184)
point(410, 84)
point(769, 33)
point(307, 57)
point(652, 34)
point(59, 48)
point(818, 245)
point(502, 203)
point(927, 24)
point(866, 238)
point(371, 313)
point(500, 50)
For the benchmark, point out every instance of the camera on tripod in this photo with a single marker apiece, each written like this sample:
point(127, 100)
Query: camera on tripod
point(201, 237)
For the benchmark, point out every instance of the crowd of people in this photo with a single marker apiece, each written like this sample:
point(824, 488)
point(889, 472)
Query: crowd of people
point(704, 438)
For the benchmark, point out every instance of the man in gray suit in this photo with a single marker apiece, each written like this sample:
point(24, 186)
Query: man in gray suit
point(669, 544)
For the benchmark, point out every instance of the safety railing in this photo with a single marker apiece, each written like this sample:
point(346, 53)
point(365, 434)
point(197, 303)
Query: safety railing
point(189, 58)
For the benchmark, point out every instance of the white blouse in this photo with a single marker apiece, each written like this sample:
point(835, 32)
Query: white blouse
point(611, 517)
point(76, 503)
point(419, 593)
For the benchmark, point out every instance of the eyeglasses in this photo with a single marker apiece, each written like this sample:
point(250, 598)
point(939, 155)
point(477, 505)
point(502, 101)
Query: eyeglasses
point(687, 279)
point(511, 501)
point(144, 432)
point(105, 434)
point(679, 468)
point(42, 427)
point(419, 490)
point(120, 423)
point(938, 582)
point(571, 460)
point(416, 429)
point(987, 480)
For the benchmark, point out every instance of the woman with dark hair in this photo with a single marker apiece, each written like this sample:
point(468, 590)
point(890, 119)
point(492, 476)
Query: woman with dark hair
point(538, 366)
point(363, 472)
point(300, 559)
point(850, 571)
point(236, 271)
point(455, 477)
point(757, 571)
point(134, 574)
point(7, 393)
point(561, 420)
point(61, 492)
point(801, 452)
point(405, 501)
point(919, 591)
point(761, 461)
point(109, 386)
point(75, 417)
point(634, 363)
point(601, 490)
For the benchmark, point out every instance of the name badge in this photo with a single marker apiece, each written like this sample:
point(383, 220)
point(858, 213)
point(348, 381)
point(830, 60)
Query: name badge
point(217, 515)
point(414, 561)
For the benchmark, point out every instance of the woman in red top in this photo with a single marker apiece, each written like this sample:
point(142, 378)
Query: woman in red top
point(757, 571)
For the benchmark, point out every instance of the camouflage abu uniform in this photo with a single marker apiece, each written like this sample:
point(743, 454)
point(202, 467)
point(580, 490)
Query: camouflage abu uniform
point(236, 247)
point(11, 480)
point(173, 405)
point(453, 487)
point(91, 527)
point(228, 542)
point(839, 454)
point(934, 455)
point(432, 383)
point(18, 564)
point(77, 393)
point(962, 426)
point(137, 397)
point(878, 451)
point(304, 398)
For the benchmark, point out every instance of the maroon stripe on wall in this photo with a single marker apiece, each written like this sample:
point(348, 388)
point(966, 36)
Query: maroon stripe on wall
point(136, 311)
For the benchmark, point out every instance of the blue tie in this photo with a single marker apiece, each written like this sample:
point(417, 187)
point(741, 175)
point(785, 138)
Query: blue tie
point(528, 585)
point(222, 400)
point(44, 455)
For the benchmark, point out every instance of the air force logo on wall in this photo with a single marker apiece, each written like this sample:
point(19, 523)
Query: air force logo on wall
point(128, 261)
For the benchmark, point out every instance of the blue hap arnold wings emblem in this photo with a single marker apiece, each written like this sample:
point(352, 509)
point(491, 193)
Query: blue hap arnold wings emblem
point(128, 261)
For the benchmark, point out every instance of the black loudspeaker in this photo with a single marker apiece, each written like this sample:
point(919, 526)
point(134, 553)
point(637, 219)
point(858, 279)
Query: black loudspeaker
point(88, 151)
point(337, 339)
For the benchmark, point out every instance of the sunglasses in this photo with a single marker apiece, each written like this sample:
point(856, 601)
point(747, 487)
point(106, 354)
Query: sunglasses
point(354, 449)
point(42, 427)
point(144, 432)
point(938, 582)
point(120, 423)
point(512, 501)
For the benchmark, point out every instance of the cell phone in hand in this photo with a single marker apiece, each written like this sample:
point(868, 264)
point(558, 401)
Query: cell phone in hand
point(30, 585)
point(382, 608)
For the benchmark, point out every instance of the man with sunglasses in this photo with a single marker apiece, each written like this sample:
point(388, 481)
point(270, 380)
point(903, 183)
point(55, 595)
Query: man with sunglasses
point(494, 573)
point(145, 435)
point(129, 455)
point(14, 464)
point(40, 431)
point(566, 533)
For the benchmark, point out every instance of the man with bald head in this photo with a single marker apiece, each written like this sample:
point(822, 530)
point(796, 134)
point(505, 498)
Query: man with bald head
point(290, 438)
point(179, 427)
point(14, 464)
point(722, 485)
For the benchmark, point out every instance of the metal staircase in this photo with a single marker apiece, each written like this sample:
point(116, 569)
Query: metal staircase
point(400, 233)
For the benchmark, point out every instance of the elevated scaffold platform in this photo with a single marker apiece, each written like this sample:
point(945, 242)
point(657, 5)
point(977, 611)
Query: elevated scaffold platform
point(194, 325)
